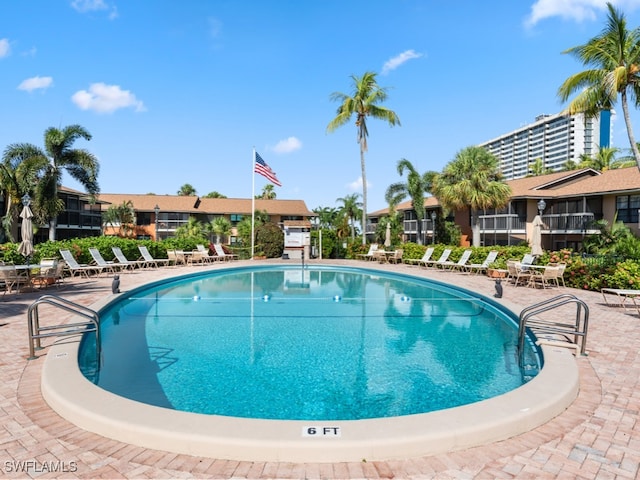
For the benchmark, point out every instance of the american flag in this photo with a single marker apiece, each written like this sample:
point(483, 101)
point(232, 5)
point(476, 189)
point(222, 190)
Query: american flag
point(263, 169)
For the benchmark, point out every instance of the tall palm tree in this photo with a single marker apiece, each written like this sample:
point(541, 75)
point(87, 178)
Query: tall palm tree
point(326, 216)
point(221, 227)
point(364, 102)
point(614, 56)
point(123, 216)
point(187, 190)
point(472, 180)
point(416, 187)
point(351, 209)
point(214, 194)
point(18, 176)
point(268, 192)
point(58, 156)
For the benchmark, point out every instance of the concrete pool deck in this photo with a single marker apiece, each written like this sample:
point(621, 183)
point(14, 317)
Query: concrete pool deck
point(598, 436)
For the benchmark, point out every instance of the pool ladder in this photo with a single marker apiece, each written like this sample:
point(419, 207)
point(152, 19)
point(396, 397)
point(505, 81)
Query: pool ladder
point(36, 332)
point(577, 329)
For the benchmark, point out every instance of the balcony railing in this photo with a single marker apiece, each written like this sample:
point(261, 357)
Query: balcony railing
point(411, 226)
point(504, 222)
point(568, 222)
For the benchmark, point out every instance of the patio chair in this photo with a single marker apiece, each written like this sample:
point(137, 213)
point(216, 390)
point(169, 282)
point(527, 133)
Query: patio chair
point(440, 261)
point(369, 255)
point(47, 274)
point(421, 261)
point(396, 257)
point(482, 267)
point(176, 259)
point(462, 261)
point(517, 274)
point(127, 264)
point(206, 257)
point(109, 266)
point(13, 278)
point(544, 277)
point(222, 254)
point(75, 268)
point(148, 258)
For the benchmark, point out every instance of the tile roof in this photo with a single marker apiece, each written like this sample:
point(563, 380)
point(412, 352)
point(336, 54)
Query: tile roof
point(195, 204)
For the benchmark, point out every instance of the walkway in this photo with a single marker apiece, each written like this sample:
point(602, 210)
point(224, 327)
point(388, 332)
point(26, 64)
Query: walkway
point(597, 437)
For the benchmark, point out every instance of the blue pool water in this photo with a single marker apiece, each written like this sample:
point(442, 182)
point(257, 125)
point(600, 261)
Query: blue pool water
point(319, 343)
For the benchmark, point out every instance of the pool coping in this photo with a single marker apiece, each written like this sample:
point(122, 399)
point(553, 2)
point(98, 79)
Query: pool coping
point(82, 403)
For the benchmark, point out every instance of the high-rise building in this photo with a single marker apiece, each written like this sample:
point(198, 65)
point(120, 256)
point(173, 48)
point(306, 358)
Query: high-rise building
point(554, 139)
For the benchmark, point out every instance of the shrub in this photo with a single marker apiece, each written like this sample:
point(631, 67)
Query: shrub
point(270, 240)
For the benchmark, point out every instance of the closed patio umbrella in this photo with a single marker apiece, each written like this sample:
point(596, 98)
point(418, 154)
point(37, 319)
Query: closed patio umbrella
point(387, 237)
point(536, 238)
point(26, 245)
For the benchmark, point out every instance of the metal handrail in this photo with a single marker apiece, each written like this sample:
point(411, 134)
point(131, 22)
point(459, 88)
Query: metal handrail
point(35, 330)
point(578, 329)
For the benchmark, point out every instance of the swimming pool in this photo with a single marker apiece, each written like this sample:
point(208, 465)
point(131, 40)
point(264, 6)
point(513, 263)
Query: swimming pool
point(314, 343)
point(92, 408)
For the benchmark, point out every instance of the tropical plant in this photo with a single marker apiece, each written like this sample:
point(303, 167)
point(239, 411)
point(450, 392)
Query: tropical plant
point(614, 56)
point(187, 190)
point(268, 192)
point(17, 178)
point(214, 194)
point(325, 216)
point(49, 164)
point(121, 216)
point(270, 240)
point(472, 180)
point(416, 186)
point(364, 102)
point(192, 229)
point(537, 168)
point(220, 227)
point(351, 209)
point(603, 160)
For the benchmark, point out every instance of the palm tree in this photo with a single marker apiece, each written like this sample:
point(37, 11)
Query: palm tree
point(57, 156)
point(604, 159)
point(17, 178)
point(326, 216)
point(220, 226)
point(472, 180)
point(192, 229)
point(615, 58)
point(187, 190)
point(123, 216)
point(367, 95)
point(415, 187)
point(268, 192)
point(351, 210)
point(537, 168)
point(214, 194)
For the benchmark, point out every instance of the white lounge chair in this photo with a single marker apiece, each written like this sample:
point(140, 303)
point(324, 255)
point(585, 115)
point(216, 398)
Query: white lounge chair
point(205, 256)
point(482, 267)
point(221, 253)
point(462, 261)
point(421, 261)
point(623, 295)
point(370, 254)
point(148, 258)
point(109, 266)
point(75, 268)
point(123, 260)
point(440, 261)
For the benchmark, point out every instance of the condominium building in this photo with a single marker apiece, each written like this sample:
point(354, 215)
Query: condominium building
point(554, 139)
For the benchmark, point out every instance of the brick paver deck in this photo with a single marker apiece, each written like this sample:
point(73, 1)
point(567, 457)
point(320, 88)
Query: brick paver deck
point(598, 436)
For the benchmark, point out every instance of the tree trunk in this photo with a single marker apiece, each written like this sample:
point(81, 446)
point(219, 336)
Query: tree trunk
point(627, 121)
point(364, 195)
point(53, 223)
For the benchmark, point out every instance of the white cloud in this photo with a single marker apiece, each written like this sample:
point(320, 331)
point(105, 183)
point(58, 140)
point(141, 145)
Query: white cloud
point(104, 98)
point(4, 47)
point(356, 186)
point(35, 83)
point(288, 145)
point(576, 10)
point(398, 60)
point(84, 6)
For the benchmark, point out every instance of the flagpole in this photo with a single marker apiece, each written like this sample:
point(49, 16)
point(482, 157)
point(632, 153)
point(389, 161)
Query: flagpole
point(253, 200)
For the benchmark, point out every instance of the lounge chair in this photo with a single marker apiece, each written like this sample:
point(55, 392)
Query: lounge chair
point(370, 254)
point(123, 260)
point(623, 295)
point(75, 268)
point(482, 267)
point(148, 258)
point(206, 257)
point(440, 261)
point(460, 264)
point(421, 261)
point(109, 266)
point(222, 254)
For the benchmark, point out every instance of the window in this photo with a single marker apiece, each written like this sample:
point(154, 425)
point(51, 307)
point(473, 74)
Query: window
point(627, 208)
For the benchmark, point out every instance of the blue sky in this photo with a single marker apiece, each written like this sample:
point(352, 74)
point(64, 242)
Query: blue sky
point(181, 92)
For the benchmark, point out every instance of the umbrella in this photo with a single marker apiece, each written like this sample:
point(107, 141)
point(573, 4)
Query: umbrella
point(26, 245)
point(387, 237)
point(536, 239)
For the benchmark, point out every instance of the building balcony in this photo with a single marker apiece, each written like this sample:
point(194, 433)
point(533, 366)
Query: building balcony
point(502, 223)
point(569, 223)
